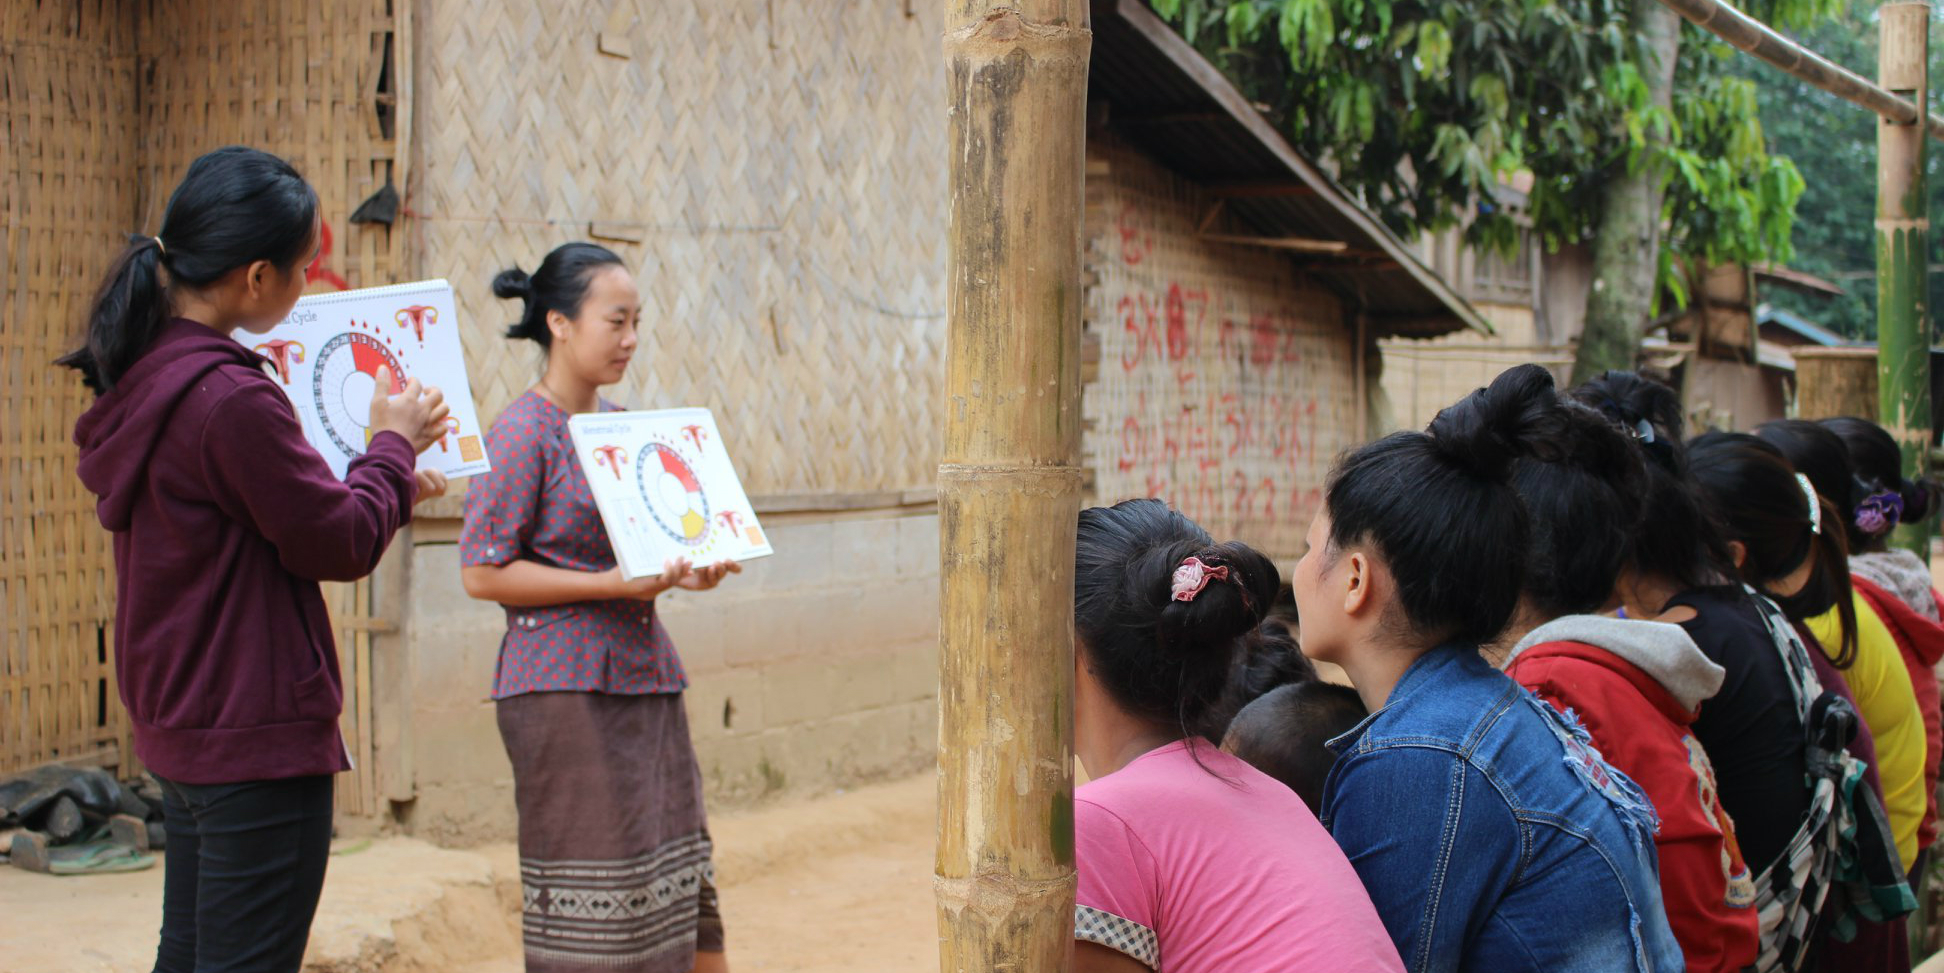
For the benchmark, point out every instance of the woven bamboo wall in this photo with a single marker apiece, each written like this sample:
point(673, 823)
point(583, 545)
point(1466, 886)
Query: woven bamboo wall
point(781, 199)
point(1221, 379)
point(321, 84)
point(68, 122)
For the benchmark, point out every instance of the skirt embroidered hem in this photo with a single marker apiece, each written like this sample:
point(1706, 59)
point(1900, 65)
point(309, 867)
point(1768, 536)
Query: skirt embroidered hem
point(615, 866)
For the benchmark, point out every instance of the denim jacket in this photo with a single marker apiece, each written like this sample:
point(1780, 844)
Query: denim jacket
point(1489, 833)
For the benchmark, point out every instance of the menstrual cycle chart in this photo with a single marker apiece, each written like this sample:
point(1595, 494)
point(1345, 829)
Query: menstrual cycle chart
point(666, 488)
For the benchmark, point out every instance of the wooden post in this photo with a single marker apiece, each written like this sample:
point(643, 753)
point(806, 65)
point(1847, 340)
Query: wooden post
point(1009, 492)
point(1903, 235)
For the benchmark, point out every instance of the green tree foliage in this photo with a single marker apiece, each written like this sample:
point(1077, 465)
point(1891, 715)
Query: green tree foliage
point(1422, 108)
point(1834, 144)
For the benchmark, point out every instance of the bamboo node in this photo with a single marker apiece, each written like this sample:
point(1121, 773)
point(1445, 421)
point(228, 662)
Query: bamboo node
point(1004, 31)
point(992, 893)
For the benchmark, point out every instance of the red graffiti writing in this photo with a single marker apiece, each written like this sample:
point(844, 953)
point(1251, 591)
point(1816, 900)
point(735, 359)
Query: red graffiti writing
point(320, 269)
point(1136, 239)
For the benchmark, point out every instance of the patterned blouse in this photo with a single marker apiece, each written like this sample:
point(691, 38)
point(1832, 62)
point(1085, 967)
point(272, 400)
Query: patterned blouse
point(535, 505)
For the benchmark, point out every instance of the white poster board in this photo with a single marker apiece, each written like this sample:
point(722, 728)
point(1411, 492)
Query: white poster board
point(326, 356)
point(666, 489)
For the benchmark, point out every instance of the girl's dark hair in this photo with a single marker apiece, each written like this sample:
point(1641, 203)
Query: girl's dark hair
point(1586, 509)
point(1439, 508)
point(1163, 660)
point(1879, 464)
point(1819, 454)
point(559, 285)
point(235, 206)
point(1677, 539)
point(1756, 499)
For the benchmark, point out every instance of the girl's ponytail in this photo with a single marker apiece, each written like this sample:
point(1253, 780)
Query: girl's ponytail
point(127, 312)
point(1781, 521)
point(235, 206)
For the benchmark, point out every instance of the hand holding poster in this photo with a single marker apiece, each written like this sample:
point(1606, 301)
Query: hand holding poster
point(666, 489)
point(327, 354)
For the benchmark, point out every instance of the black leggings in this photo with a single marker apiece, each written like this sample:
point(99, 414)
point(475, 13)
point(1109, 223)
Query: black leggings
point(244, 866)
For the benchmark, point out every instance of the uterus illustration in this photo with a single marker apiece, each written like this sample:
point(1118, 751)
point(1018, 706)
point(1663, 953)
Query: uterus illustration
point(731, 520)
point(612, 457)
point(452, 429)
point(695, 434)
point(418, 317)
point(282, 354)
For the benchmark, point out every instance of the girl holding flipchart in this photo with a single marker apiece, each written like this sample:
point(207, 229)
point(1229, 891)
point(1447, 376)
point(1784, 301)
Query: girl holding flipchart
point(588, 688)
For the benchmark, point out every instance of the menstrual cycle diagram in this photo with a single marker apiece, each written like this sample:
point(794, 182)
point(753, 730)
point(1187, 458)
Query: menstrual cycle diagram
point(346, 375)
point(669, 488)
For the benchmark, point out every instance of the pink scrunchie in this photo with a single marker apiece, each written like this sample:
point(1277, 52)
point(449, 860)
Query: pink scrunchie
point(1193, 575)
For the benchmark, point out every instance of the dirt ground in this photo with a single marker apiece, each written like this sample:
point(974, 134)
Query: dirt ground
point(835, 883)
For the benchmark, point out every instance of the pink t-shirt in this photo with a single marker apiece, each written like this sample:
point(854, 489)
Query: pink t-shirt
point(1188, 872)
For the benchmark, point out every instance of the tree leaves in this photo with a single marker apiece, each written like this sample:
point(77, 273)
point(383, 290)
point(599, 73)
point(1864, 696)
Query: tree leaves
point(1422, 109)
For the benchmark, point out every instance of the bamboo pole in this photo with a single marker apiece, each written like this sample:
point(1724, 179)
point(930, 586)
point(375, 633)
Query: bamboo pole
point(1754, 37)
point(1008, 487)
point(1903, 238)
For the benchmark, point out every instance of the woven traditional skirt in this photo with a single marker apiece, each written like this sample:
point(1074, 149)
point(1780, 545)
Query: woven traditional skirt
point(614, 848)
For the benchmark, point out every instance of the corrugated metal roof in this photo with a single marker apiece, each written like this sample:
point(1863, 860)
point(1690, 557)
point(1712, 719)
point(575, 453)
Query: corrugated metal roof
point(1166, 99)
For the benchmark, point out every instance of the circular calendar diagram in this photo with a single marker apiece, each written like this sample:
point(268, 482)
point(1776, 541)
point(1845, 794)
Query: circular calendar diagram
point(673, 494)
point(344, 380)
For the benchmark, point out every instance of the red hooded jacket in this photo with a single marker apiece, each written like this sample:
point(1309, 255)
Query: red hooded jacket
point(224, 522)
point(1921, 642)
point(1636, 686)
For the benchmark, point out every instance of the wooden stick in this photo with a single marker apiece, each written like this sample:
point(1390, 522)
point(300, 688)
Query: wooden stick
point(1754, 37)
point(1009, 492)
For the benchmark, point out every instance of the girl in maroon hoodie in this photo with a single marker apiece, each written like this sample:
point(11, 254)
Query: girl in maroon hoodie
point(224, 522)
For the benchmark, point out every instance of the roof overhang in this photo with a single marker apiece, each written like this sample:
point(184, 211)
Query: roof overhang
point(1162, 96)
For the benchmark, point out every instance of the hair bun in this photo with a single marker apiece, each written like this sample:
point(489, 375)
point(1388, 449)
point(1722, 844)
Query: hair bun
point(1225, 609)
point(511, 283)
point(1517, 415)
point(1916, 500)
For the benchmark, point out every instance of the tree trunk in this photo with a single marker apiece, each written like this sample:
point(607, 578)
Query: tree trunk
point(1903, 244)
point(1626, 242)
point(1008, 487)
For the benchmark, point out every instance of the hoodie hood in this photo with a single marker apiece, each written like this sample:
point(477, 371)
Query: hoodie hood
point(1663, 651)
point(118, 436)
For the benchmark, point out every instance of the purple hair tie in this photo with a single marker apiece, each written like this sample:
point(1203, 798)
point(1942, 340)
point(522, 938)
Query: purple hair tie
point(1879, 512)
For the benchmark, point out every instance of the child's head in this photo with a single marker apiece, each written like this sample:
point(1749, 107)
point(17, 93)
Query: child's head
point(1889, 497)
point(1785, 537)
point(236, 235)
point(1421, 538)
point(1675, 539)
point(1584, 510)
point(1269, 658)
point(1159, 610)
point(582, 306)
point(1283, 734)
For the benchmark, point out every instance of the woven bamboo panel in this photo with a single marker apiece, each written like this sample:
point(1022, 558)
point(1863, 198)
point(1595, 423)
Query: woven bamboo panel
point(68, 122)
point(1226, 382)
point(318, 83)
point(771, 171)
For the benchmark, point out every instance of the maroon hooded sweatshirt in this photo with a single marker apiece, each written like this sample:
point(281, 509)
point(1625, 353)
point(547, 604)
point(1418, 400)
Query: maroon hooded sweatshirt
point(224, 522)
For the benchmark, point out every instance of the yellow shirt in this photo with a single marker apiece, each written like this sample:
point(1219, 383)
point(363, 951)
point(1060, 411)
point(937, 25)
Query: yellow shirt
point(1881, 686)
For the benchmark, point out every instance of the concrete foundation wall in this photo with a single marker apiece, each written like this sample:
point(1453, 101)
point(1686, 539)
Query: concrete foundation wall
point(815, 668)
